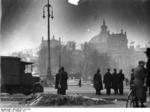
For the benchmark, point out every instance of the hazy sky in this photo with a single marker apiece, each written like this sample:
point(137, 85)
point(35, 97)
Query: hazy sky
point(73, 1)
point(24, 26)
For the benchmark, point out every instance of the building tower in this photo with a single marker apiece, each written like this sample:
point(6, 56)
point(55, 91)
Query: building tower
point(104, 32)
point(104, 27)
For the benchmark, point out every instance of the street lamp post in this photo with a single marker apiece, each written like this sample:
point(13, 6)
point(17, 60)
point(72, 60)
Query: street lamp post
point(49, 16)
point(59, 52)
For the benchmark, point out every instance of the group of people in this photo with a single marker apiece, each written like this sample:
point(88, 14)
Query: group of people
point(114, 80)
point(111, 81)
point(140, 81)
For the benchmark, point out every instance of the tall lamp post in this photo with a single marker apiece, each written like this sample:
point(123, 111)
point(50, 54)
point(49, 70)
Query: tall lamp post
point(49, 16)
point(59, 52)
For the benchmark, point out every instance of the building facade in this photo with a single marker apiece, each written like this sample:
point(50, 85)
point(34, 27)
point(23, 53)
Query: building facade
point(116, 46)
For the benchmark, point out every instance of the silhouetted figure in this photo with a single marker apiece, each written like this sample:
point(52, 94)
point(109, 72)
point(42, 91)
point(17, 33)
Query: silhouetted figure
point(139, 79)
point(108, 82)
point(148, 68)
point(120, 82)
point(80, 83)
point(115, 81)
point(127, 82)
point(98, 82)
point(132, 78)
point(61, 81)
point(57, 81)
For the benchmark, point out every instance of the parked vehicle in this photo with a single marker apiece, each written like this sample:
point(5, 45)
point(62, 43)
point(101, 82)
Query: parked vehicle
point(16, 76)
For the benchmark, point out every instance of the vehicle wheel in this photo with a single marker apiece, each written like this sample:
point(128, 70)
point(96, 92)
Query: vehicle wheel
point(26, 92)
point(37, 89)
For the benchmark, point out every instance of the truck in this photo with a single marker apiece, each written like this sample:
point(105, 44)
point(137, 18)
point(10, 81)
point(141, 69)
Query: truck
point(16, 76)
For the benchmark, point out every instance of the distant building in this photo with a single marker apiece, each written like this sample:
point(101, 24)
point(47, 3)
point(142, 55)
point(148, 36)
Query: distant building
point(116, 46)
point(100, 41)
point(43, 56)
point(53, 43)
point(136, 54)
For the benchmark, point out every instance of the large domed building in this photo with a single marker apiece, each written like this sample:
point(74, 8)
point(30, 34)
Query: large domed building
point(116, 46)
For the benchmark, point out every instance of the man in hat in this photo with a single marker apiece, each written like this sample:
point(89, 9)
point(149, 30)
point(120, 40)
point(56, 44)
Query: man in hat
point(120, 81)
point(108, 82)
point(98, 82)
point(61, 81)
point(57, 81)
point(139, 82)
point(115, 81)
point(148, 68)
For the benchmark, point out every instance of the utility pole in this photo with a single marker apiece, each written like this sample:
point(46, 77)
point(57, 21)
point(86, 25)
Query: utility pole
point(49, 16)
point(59, 52)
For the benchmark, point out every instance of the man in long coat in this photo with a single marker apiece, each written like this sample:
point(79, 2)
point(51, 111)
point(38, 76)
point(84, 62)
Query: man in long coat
point(108, 82)
point(61, 81)
point(115, 81)
point(139, 81)
point(57, 81)
point(98, 82)
point(148, 68)
point(120, 82)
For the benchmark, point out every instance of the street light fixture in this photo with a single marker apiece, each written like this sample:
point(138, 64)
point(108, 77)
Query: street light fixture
point(49, 16)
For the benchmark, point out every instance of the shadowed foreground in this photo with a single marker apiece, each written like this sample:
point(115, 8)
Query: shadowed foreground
point(64, 100)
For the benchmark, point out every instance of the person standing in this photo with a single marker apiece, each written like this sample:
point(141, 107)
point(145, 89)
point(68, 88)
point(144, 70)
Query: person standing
point(108, 82)
point(98, 82)
point(57, 81)
point(120, 82)
point(80, 82)
point(139, 81)
point(148, 69)
point(115, 81)
point(61, 81)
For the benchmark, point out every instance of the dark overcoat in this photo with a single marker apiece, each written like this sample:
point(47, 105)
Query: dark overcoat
point(132, 78)
point(114, 80)
point(148, 73)
point(108, 80)
point(139, 76)
point(98, 81)
point(57, 80)
point(61, 80)
point(120, 80)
